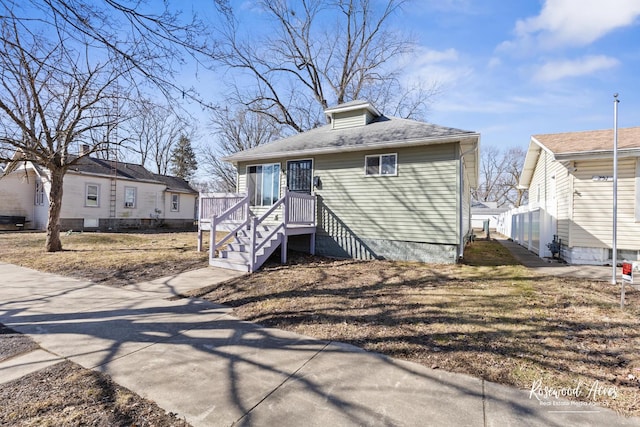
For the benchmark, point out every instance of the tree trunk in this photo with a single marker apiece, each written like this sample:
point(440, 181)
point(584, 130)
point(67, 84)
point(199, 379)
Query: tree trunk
point(53, 243)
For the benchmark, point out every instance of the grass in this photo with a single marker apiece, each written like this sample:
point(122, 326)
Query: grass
point(65, 394)
point(489, 317)
point(110, 258)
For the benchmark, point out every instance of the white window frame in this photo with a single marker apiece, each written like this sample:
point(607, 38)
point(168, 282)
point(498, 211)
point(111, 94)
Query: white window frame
point(253, 197)
point(130, 204)
point(175, 202)
point(86, 195)
point(380, 172)
point(39, 195)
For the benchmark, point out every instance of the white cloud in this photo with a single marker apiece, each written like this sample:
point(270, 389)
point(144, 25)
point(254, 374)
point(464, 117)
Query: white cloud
point(494, 62)
point(575, 22)
point(425, 56)
point(439, 66)
point(556, 70)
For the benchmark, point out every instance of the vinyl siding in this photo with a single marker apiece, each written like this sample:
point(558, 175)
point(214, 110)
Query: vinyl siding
point(550, 190)
point(151, 200)
point(349, 119)
point(593, 205)
point(549, 200)
point(17, 194)
point(418, 205)
point(564, 199)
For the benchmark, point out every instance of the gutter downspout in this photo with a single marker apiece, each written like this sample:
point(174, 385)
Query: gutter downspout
point(461, 242)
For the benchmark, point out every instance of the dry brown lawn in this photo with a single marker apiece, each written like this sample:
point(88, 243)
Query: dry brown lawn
point(491, 317)
point(115, 259)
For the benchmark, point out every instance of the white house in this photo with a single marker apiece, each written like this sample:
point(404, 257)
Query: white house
point(570, 182)
point(485, 211)
point(100, 195)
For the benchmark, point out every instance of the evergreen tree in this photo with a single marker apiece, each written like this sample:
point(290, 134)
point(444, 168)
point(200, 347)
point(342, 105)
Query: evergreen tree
point(183, 159)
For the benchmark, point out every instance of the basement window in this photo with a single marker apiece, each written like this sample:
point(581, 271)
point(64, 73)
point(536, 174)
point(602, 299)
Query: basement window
point(381, 165)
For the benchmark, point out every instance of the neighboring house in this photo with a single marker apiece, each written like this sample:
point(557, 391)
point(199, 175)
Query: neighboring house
point(100, 195)
point(485, 211)
point(570, 182)
point(371, 186)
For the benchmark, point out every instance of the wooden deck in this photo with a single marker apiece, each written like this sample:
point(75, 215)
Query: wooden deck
point(251, 238)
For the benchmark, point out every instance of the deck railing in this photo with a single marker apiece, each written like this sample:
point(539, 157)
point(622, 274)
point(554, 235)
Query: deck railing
point(233, 211)
point(301, 208)
point(221, 212)
point(217, 203)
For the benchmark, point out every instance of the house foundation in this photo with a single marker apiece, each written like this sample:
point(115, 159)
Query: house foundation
point(395, 250)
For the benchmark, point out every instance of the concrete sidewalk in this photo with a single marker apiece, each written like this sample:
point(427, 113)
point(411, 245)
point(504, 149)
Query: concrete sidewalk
point(548, 267)
point(193, 358)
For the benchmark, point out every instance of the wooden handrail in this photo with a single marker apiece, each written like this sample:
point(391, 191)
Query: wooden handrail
point(224, 215)
point(215, 220)
point(297, 208)
point(273, 208)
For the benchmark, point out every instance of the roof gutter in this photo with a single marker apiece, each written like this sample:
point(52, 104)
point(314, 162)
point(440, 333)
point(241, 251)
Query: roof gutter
point(597, 155)
point(461, 193)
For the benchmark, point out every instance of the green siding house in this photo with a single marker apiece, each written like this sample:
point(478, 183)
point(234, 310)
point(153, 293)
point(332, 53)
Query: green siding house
point(365, 186)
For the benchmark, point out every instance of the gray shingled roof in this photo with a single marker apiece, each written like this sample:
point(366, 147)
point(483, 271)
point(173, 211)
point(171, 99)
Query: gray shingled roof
point(383, 132)
point(132, 171)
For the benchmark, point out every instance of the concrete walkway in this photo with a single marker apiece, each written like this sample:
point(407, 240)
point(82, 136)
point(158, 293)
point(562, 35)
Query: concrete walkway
point(549, 267)
point(193, 358)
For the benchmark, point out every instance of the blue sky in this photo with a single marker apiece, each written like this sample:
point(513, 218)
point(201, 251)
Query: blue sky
point(510, 69)
point(513, 68)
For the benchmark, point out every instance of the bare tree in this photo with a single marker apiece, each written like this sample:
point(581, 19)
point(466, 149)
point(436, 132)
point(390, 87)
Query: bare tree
point(149, 38)
point(235, 130)
point(499, 176)
point(152, 133)
point(514, 195)
point(51, 98)
point(300, 68)
point(492, 165)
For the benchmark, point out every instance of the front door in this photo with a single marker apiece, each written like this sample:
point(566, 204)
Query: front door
point(299, 176)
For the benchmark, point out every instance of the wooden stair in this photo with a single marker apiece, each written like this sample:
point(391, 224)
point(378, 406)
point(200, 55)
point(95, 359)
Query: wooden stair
point(236, 255)
point(250, 240)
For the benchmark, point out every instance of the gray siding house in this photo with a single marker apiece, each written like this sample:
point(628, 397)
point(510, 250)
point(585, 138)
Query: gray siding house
point(376, 186)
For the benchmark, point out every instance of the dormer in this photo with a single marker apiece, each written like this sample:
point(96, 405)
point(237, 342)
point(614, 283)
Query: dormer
point(351, 114)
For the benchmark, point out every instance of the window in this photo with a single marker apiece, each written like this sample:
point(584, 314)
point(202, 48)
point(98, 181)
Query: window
point(383, 164)
point(175, 202)
point(263, 184)
point(129, 197)
point(39, 200)
point(92, 195)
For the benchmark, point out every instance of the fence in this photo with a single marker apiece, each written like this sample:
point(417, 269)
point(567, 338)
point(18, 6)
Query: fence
point(530, 226)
